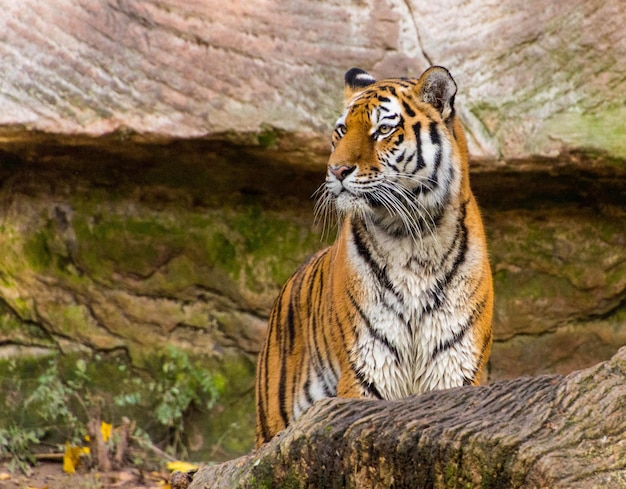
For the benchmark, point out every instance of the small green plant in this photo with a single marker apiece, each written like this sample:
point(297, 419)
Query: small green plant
point(53, 399)
point(182, 386)
point(64, 399)
point(15, 444)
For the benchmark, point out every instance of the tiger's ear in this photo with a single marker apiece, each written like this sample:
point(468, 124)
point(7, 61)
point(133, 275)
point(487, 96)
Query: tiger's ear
point(356, 80)
point(438, 89)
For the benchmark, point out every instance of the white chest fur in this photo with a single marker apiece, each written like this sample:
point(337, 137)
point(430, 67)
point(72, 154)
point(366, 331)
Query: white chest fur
point(412, 333)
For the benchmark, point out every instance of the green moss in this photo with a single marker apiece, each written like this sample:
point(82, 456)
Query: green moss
point(279, 243)
point(110, 381)
point(22, 332)
point(268, 137)
point(24, 307)
point(37, 252)
point(451, 474)
point(263, 246)
point(262, 476)
point(530, 286)
point(71, 320)
point(603, 130)
point(127, 245)
point(222, 252)
point(17, 379)
point(8, 320)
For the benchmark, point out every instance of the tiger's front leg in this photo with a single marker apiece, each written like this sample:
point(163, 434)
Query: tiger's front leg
point(348, 385)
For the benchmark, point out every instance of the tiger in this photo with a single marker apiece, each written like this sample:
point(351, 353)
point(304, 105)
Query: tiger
point(401, 303)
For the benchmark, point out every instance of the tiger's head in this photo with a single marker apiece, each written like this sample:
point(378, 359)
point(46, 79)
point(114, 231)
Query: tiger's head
point(399, 154)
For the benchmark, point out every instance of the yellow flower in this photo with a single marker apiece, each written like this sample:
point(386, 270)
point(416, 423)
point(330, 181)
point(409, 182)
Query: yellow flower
point(105, 429)
point(181, 466)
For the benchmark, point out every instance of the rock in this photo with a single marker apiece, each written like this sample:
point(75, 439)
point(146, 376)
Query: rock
point(533, 80)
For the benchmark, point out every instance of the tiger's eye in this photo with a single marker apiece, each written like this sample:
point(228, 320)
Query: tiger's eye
point(384, 129)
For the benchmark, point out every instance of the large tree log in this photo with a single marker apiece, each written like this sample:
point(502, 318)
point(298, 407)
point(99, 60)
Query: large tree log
point(548, 431)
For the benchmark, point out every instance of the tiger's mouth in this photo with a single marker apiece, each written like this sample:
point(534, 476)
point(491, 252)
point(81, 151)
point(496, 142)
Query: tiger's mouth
point(345, 199)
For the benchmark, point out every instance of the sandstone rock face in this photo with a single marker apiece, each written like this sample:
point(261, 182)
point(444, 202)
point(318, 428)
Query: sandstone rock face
point(157, 161)
point(534, 78)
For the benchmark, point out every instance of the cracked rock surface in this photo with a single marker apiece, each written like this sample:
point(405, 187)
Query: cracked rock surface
point(534, 78)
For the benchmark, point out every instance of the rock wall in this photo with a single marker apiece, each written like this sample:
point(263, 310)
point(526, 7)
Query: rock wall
point(534, 78)
point(157, 161)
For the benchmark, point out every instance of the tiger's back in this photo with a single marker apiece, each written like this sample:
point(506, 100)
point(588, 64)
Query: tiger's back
point(401, 303)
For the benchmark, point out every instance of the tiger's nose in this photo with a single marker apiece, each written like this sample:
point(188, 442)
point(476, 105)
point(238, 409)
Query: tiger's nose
point(341, 171)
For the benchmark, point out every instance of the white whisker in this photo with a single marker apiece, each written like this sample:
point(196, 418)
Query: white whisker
point(387, 197)
point(323, 211)
point(400, 201)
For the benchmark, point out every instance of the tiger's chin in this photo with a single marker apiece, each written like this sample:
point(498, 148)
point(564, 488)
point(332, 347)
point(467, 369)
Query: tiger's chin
point(372, 214)
point(347, 203)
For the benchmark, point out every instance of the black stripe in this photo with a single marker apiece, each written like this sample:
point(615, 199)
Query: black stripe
point(315, 325)
point(365, 383)
point(373, 331)
point(458, 336)
point(481, 357)
point(411, 156)
point(428, 222)
point(261, 403)
point(433, 179)
point(265, 359)
point(262, 417)
point(417, 128)
point(436, 140)
point(309, 285)
point(307, 390)
point(483, 349)
point(295, 378)
point(459, 229)
point(319, 365)
point(280, 340)
point(438, 296)
point(330, 388)
point(434, 135)
point(407, 108)
point(291, 326)
point(364, 252)
point(282, 384)
point(337, 321)
point(460, 256)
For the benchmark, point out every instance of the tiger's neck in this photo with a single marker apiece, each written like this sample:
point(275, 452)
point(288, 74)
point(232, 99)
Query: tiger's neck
point(389, 242)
